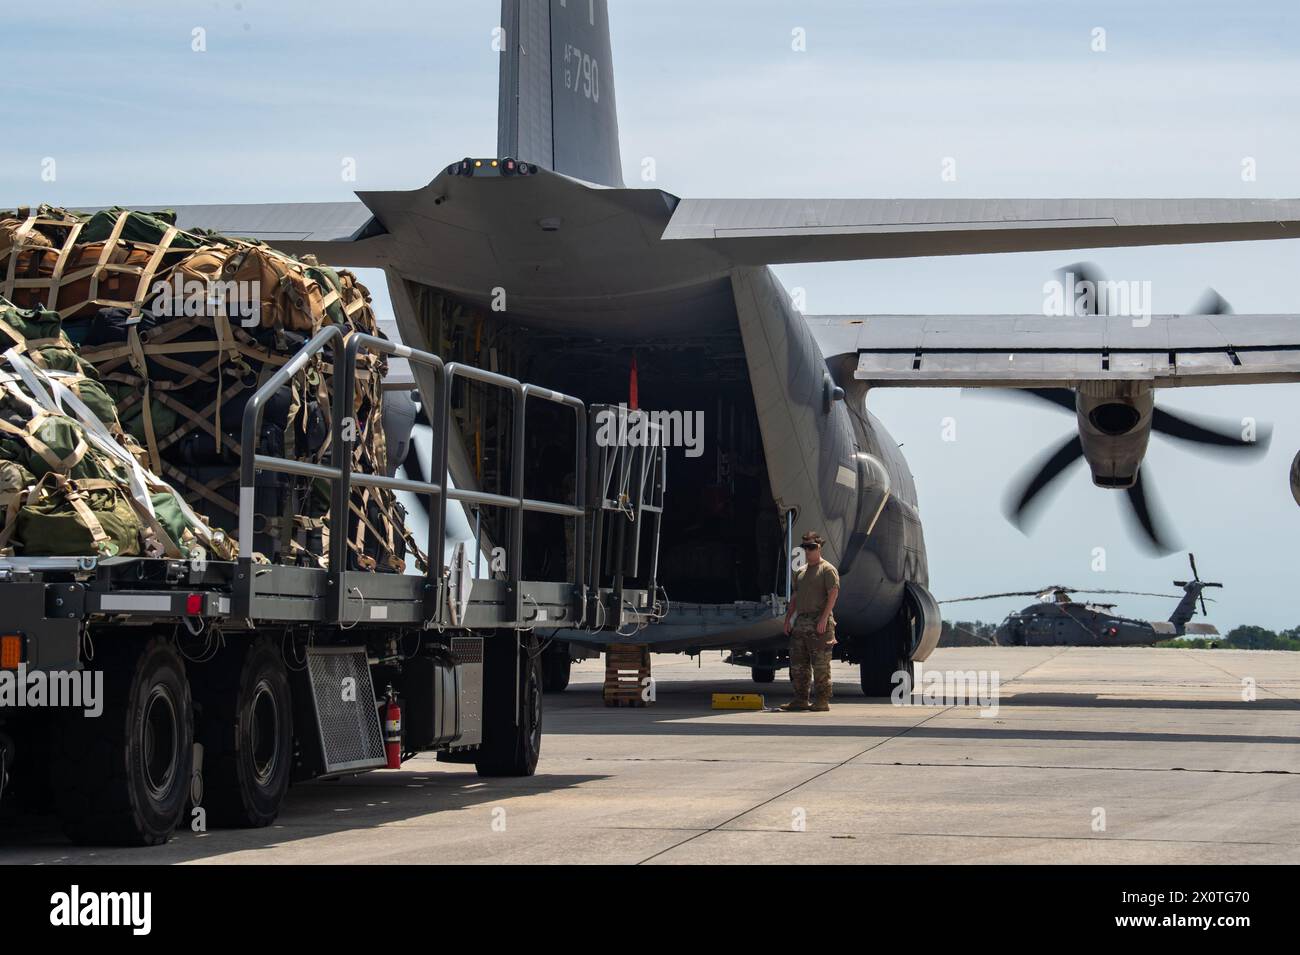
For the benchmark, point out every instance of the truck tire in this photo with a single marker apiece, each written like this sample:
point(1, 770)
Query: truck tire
point(123, 778)
point(246, 727)
point(510, 749)
point(882, 656)
point(557, 667)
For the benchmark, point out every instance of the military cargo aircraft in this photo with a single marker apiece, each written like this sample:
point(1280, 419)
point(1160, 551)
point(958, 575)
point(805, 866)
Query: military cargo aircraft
point(542, 263)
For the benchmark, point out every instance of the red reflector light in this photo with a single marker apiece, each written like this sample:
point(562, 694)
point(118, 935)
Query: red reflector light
point(194, 604)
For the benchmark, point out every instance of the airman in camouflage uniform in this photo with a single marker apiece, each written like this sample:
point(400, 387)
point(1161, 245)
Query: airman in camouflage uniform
point(810, 624)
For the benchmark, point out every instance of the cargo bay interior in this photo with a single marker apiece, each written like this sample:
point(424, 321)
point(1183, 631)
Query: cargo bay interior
point(721, 538)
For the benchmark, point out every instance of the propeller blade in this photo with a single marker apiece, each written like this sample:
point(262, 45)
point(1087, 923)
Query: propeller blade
point(1204, 612)
point(1061, 397)
point(1191, 559)
point(1204, 431)
point(1017, 505)
point(1145, 510)
point(1086, 272)
point(1211, 303)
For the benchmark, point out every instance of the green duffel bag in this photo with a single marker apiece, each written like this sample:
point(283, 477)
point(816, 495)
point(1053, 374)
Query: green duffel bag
point(165, 420)
point(61, 358)
point(169, 514)
point(32, 324)
point(41, 334)
point(76, 519)
point(96, 397)
point(50, 443)
point(14, 478)
point(141, 227)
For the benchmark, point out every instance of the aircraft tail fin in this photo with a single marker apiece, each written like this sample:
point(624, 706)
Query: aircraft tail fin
point(556, 102)
point(1186, 608)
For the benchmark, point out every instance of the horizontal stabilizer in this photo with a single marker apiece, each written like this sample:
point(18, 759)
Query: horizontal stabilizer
point(776, 231)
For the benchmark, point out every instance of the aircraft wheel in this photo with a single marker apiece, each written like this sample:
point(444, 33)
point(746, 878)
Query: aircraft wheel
point(882, 658)
point(763, 674)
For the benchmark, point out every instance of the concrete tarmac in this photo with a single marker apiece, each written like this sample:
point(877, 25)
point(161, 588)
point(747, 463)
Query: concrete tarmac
point(1092, 756)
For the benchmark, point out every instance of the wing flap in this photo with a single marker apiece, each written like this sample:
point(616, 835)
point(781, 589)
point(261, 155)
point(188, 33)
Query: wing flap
point(1033, 351)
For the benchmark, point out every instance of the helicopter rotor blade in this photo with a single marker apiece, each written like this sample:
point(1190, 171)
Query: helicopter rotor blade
point(1013, 593)
point(1191, 559)
point(1134, 593)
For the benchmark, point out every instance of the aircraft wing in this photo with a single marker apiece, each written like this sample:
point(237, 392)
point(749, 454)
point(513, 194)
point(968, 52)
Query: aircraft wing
point(776, 231)
point(334, 231)
point(1033, 351)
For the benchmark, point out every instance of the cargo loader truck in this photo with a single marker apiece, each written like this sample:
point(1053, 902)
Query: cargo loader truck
point(224, 681)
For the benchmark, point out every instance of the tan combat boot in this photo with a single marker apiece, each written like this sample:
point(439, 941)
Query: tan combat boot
point(795, 706)
point(820, 706)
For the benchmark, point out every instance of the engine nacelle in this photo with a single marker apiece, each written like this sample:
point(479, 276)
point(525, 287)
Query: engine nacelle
point(1114, 429)
point(1295, 478)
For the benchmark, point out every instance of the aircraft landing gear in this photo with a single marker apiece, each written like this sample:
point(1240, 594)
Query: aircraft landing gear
point(883, 656)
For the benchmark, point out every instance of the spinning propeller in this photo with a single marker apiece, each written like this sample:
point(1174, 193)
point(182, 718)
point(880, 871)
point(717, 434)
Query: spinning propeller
point(1203, 433)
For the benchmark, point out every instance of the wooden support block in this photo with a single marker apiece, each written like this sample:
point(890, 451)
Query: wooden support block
point(627, 674)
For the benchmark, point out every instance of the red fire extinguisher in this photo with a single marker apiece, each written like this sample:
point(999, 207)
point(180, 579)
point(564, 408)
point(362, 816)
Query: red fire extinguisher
point(393, 730)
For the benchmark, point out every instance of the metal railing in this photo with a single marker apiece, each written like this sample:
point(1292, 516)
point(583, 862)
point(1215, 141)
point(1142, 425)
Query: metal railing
point(342, 478)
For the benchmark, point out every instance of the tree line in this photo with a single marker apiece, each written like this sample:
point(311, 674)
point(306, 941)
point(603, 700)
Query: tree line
point(977, 633)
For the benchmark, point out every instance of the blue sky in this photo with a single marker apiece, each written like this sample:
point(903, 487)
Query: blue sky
point(286, 91)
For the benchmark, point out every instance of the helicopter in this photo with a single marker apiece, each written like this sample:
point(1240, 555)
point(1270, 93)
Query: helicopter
point(1057, 619)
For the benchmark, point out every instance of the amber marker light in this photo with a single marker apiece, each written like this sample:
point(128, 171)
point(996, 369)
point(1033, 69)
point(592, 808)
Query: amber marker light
point(11, 651)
